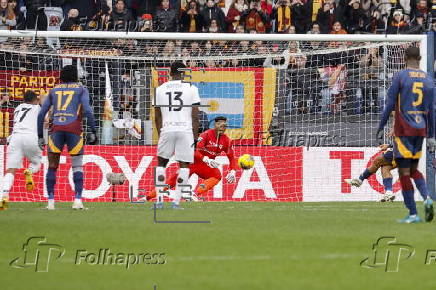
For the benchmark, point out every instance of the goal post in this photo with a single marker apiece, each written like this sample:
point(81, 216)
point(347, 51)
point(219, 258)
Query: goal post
point(305, 107)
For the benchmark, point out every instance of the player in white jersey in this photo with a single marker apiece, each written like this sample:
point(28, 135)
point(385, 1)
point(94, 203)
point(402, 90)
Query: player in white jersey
point(23, 142)
point(176, 115)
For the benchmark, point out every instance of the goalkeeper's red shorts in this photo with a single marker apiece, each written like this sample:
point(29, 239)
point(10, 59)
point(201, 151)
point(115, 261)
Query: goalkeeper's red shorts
point(203, 171)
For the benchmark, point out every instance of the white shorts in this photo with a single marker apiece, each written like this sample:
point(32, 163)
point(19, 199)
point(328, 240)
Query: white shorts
point(23, 145)
point(179, 144)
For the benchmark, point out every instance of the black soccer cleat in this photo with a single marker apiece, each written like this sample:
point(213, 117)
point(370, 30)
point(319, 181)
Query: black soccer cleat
point(429, 210)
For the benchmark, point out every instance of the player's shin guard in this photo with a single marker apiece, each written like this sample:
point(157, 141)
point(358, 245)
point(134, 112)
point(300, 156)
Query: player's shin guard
point(50, 180)
point(365, 175)
point(8, 180)
point(159, 182)
point(78, 183)
point(182, 184)
point(408, 194)
point(207, 185)
point(387, 183)
point(420, 183)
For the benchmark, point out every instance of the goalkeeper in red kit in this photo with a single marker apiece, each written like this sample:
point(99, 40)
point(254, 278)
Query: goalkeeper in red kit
point(210, 144)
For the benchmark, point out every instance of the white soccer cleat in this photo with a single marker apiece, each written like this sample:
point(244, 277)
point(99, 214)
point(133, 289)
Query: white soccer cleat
point(192, 196)
point(50, 205)
point(388, 196)
point(77, 204)
point(354, 182)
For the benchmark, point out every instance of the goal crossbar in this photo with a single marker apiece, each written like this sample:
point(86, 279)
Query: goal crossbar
point(214, 36)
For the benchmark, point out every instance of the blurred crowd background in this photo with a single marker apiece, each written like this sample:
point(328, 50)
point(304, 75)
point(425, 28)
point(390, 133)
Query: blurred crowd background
point(233, 16)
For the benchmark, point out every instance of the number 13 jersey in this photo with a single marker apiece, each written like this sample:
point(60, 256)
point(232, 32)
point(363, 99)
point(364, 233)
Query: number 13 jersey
point(175, 100)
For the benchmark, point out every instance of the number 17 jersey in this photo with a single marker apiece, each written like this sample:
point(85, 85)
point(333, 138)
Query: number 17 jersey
point(175, 100)
point(69, 102)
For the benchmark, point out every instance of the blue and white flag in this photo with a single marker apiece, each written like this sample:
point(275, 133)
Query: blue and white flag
point(224, 99)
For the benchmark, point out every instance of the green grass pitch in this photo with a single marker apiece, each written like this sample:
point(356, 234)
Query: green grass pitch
point(246, 246)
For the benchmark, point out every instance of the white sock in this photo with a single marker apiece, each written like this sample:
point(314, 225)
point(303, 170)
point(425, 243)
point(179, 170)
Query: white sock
point(181, 186)
point(8, 181)
point(77, 200)
point(51, 201)
point(160, 171)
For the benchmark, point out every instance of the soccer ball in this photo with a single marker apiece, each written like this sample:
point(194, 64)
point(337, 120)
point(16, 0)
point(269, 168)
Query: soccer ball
point(246, 161)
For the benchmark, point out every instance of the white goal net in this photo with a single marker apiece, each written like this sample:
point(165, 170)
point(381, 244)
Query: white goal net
point(306, 107)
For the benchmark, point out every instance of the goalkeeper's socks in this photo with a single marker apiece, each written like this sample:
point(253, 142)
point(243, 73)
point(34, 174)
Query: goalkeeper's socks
point(365, 175)
point(408, 194)
point(8, 180)
point(78, 183)
point(50, 180)
point(387, 183)
point(207, 185)
point(420, 183)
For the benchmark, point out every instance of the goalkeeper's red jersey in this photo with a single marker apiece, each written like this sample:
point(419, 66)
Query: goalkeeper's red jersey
point(211, 145)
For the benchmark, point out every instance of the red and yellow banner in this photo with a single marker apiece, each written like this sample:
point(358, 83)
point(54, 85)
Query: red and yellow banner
point(16, 83)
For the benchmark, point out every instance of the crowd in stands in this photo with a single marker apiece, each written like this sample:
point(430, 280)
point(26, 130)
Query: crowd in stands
point(348, 81)
point(238, 16)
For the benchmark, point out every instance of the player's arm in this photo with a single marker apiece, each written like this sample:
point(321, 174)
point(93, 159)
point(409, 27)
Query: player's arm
point(195, 120)
point(431, 116)
point(231, 156)
point(393, 92)
point(89, 113)
point(231, 176)
point(158, 119)
point(201, 144)
point(194, 112)
point(198, 155)
point(41, 116)
point(157, 111)
point(431, 142)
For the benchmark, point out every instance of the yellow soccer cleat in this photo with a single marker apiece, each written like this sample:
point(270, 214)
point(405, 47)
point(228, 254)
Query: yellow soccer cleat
point(29, 180)
point(4, 204)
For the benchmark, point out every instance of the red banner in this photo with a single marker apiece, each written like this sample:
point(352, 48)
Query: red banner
point(13, 85)
point(16, 83)
point(276, 176)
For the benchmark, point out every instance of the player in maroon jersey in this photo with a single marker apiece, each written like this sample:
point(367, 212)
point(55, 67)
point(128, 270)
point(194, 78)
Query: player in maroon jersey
point(210, 144)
